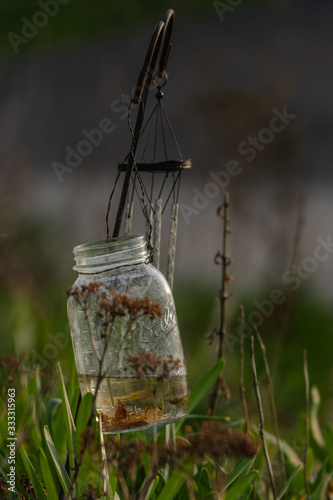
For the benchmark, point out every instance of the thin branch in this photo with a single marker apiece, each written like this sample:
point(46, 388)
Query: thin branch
point(100, 377)
point(225, 261)
point(241, 373)
point(104, 458)
point(91, 333)
point(307, 422)
point(289, 303)
point(261, 417)
point(272, 404)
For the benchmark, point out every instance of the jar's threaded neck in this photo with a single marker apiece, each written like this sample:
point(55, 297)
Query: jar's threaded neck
point(99, 256)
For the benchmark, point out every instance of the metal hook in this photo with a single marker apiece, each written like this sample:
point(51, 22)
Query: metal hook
point(140, 97)
point(169, 21)
point(146, 74)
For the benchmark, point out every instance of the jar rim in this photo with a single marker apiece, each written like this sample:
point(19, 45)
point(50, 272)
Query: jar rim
point(99, 256)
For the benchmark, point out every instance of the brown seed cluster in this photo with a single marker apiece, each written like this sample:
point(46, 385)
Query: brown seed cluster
point(9, 363)
point(121, 305)
point(218, 441)
point(125, 454)
point(147, 363)
point(214, 441)
point(3, 485)
point(85, 290)
point(26, 483)
point(118, 305)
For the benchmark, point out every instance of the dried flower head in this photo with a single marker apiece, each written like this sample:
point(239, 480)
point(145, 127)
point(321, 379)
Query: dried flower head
point(122, 305)
point(13, 365)
point(3, 485)
point(82, 292)
point(147, 363)
point(217, 441)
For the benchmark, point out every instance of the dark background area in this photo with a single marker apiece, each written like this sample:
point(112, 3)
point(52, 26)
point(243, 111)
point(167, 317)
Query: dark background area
point(225, 78)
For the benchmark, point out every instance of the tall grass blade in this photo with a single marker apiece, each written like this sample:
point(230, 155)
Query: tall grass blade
point(62, 474)
point(40, 493)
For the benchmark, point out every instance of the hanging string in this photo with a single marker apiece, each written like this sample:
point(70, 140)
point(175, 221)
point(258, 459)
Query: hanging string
point(171, 191)
point(171, 130)
point(143, 201)
point(109, 207)
point(149, 121)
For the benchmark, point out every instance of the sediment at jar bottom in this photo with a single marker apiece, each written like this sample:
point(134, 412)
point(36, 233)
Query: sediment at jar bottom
point(127, 403)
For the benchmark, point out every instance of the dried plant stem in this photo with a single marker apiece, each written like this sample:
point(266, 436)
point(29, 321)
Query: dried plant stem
point(289, 303)
point(272, 404)
point(241, 374)
point(261, 418)
point(148, 482)
point(307, 422)
point(223, 212)
point(105, 462)
point(123, 486)
point(100, 376)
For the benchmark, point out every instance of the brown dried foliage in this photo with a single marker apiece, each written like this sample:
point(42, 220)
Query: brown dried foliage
point(147, 363)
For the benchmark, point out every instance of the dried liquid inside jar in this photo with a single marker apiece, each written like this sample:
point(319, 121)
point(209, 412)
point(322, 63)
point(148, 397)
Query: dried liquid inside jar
point(125, 403)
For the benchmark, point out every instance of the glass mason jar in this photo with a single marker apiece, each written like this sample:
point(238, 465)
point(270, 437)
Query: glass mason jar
point(124, 344)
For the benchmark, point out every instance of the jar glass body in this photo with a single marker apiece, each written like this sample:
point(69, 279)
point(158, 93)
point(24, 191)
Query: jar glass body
point(130, 395)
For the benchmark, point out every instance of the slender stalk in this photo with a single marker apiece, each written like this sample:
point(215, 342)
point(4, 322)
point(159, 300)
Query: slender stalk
point(100, 377)
point(307, 423)
point(241, 374)
point(272, 404)
point(91, 333)
point(221, 384)
point(123, 485)
point(105, 461)
point(289, 304)
point(261, 418)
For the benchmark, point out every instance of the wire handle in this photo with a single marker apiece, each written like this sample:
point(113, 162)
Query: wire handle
point(161, 37)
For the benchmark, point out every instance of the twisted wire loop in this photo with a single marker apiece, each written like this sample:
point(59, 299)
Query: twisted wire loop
point(159, 133)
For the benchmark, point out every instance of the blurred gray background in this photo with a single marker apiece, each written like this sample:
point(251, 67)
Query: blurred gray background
point(225, 78)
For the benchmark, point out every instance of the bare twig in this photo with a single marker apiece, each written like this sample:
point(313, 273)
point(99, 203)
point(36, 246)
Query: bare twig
point(241, 373)
point(289, 303)
point(272, 404)
point(100, 376)
point(307, 422)
point(225, 261)
point(261, 417)
point(105, 461)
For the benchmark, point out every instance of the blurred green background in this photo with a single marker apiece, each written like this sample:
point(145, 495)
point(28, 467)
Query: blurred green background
point(225, 77)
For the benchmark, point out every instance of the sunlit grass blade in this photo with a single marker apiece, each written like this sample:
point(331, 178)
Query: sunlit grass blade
point(152, 488)
point(292, 457)
point(243, 487)
point(173, 485)
point(317, 495)
point(315, 427)
point(204, 385)
point(288, 483)
point(39, 491)
point(218, 418)
point(69, 421)
point(62, 474)
point(243, 467)
point(203, 483)
point(82, 418)
point(47, 476)
point(328, 434)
